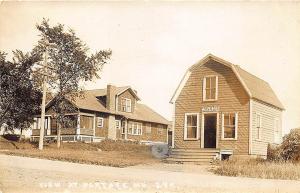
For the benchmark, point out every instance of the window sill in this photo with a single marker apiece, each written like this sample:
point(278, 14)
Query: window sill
point(229, 139)
point(210, 100)
point(189, 139)
point(134, 134)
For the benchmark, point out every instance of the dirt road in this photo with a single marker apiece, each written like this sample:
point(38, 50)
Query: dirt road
point(20, 174)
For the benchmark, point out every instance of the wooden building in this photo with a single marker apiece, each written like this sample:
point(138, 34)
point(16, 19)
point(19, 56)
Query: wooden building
point(112, 113)
point(222, 109)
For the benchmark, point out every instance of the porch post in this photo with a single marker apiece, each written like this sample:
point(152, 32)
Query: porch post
point(49, 125)
point(94, 125)
point(78, 125)
point(126, 128)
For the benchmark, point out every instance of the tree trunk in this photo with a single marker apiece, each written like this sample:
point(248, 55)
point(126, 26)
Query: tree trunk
point(58, 134)
point(21, 131)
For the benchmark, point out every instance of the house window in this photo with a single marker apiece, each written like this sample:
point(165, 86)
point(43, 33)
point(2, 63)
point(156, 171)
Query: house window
point(258, 126)
point(191, 126)
point(126, 104)
point(99, 122)
point(210, 88)
point(118, 124)
point(134, 128)
point(229, 125)
point(276, 131)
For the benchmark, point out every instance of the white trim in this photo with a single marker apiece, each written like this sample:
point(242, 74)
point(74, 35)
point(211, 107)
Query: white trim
point(185, 127)
point(98, 121)
point(235, 127)
point(126, 105)
point(131, 90)
point(94, 125)
point(204, 88)
point(139, 127)
point(202, 128)
point(173, 125)
point(250, 126)
point(78, 125)
point(180, 86)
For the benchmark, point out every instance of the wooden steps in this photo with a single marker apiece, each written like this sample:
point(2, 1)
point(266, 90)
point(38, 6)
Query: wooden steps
point(197, 156)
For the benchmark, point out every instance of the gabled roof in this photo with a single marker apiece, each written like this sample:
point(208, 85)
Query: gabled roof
point(119, 90)
point(89, 100)
point(255, 87)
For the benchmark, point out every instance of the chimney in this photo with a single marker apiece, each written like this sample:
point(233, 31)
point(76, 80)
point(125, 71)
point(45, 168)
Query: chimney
point(111, 92)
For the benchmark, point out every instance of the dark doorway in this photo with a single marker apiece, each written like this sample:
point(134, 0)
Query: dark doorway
point(53, 127)
point(170, 138)
point(210, 127)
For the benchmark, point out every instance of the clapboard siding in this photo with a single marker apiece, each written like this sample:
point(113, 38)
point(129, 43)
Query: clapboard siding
point(231, 98)
point(268, 115)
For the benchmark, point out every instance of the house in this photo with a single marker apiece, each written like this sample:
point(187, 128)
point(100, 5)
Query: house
point(218, 106)
point(112, 113)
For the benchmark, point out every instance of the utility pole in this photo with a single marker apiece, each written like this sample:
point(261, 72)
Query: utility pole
point(42, 130)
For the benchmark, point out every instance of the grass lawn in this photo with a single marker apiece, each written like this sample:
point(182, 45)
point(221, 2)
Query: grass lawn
point(107, 153)
point(258, 168)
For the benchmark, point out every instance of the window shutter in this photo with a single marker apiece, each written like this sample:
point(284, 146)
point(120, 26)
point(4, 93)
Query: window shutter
point(198, 126)
point(185, 127)
point(236, 124)
point(217, 87)
point(203, 89)
point(222, 126)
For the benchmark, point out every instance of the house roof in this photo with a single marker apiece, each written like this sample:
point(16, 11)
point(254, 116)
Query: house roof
point(119, 90)
point(88, 100)
point(255, 87)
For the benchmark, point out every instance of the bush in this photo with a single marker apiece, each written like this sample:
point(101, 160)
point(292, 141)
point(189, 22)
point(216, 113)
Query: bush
point(289, 150)
point(290, 147)
point(274, 153)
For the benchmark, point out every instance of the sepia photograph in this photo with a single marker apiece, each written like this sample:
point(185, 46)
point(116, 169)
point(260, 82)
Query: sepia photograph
point(149, 96)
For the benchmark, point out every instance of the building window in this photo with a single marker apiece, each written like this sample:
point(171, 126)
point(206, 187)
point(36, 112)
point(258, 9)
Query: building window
point(210, 88)
point(191, 126)
point(38, 121)
point(126, 104)
point(99, 122)
point(258, 126)
point(118, 124)
point(229, 125)
point(134, 128)
point(276, 131)
point(148, 128)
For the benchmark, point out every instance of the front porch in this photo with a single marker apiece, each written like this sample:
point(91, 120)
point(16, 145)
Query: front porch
point(77, 127)
point(70, 138)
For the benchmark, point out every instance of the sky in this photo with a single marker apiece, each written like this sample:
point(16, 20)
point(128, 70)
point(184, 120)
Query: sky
point(153, 43)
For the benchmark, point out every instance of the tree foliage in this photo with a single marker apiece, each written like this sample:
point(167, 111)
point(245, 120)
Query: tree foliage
point(69, 64)
point(19, 98)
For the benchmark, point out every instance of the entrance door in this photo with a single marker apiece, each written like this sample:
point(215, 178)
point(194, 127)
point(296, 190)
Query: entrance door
point(210, 128)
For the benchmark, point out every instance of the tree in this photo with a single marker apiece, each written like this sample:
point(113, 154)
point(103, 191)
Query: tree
point(19, 98)
point(69, 64)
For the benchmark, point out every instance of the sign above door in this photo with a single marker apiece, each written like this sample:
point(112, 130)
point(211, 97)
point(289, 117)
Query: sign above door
point(210, 109)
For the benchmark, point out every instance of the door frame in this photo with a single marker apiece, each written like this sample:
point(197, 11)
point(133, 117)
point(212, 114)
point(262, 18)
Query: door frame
point(202, 128)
